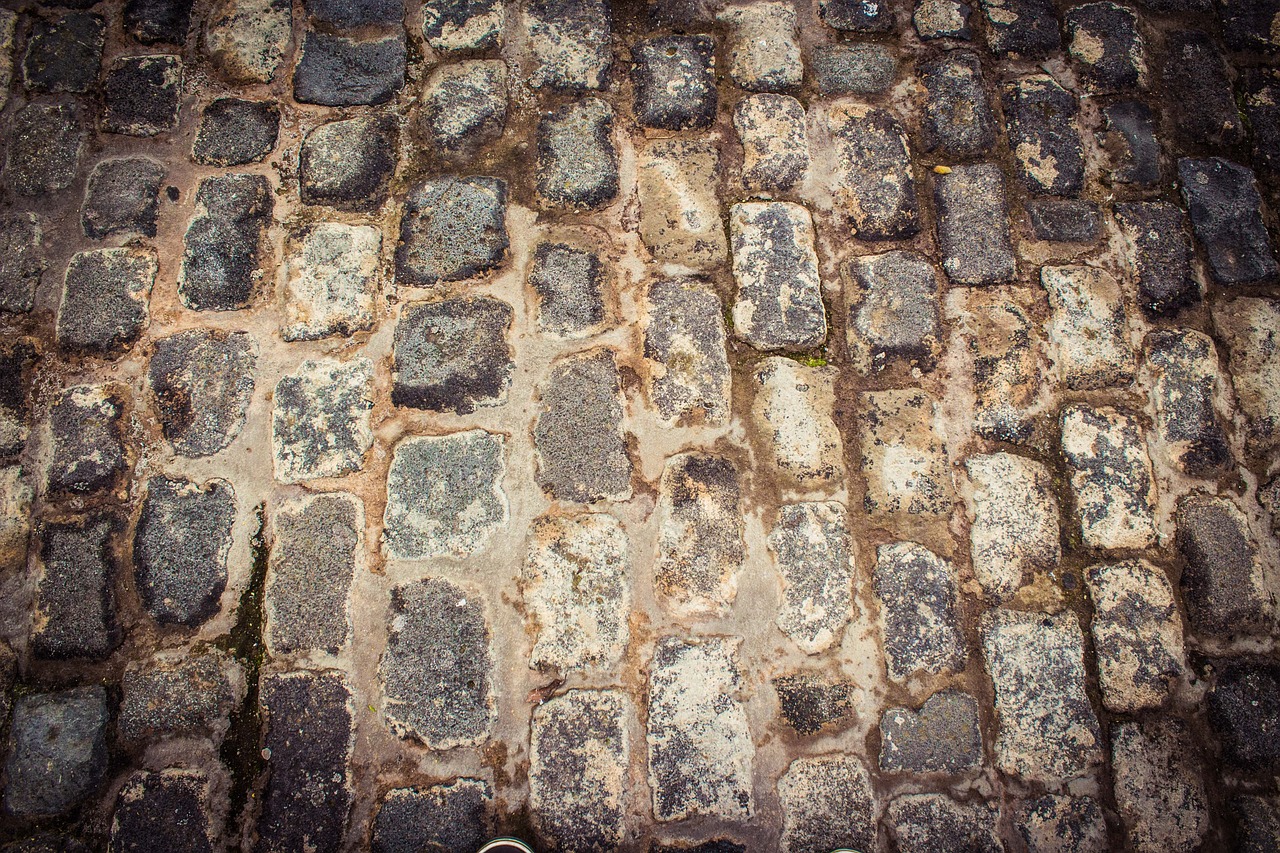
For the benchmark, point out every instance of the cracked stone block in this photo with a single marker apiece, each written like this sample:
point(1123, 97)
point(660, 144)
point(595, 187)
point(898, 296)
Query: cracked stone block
point(1089, 329)
point(1226, 214)
point(903, 457)
point(331, 282)
point(810, 703)
point(246, 39)
point(1258, 823)
point(1023, 29)
point(105, 298)
point(699, 743)
point(919, 596)
point(775, 144)
point(22, 261)
point(1160, 792)
point(348, 164)
point(1184, 388)
point(45, 144)
point(233, 131)
point(894, 312)
point(827, 803)
point(700, 535)
point(88, 444)
point(180, 549)
point(679, 211)
point(1197, 91)
point(775, 266)
point(998, 333)
point(123, 195)
point(1244, 712)
point(1062, 824)
point(64, 54)
point(15, 521)
point(57, 751)
point(582, 451)
point(1041, 120)
point(856, 16)
point(973, 225)
point(576, 591)
point(941, 737)
point(1137, 634)
point(1064, 220)
point(202, 381)
point(873, 188)
point(453, 355)
point(345, 15)
point(1014, 536)
point(464, 107)
point(958, 120)
point(164, 810)
point(577, 162)
point(308, 738)
point(1260, 102)
point(853, 68)
point(764, 47)
point(1106, 47)
point(339, 72)
point(317, 543)
point(1224, 582)
point(814, 556)
point(141, 95)
point(1048, 731)
point(453, 228)
point(684, 342)
point(569, 282)
point(320, 420)
point(1130, 141)
point(1159, 252)
point(568, 43)
point(223, 257)
point(931, 823)
point(73, 615)
point(155, 21)
point(1250, 328)
point(578, 769)
point(1111, 480)
point(455, 817)
point(436, 671)
point(674, 82)
point(1250, 26)
point(177, 694)
point(450, 25)
point(792, 415)
point(444, 495)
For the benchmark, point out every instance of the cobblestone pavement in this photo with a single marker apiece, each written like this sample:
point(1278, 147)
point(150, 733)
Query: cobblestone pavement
point(651, 426)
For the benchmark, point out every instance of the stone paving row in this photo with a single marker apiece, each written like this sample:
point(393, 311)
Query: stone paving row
point(666, 425)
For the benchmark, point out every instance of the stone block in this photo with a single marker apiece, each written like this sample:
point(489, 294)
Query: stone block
point(581, 449)
point(792, 416)
point(919, 595)
point(453, 355)
point(903, 457)
point(320, 420)
point(700, 535)
point(779, 296)
point(1111, 479)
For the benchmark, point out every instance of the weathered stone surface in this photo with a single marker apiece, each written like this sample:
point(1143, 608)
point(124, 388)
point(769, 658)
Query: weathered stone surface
point(436, 669)
point(180, 549)
point(582, 453)
point(1014, 536)
point(814, 555)
point(331, 281)
point(684, 342)
point(1026, 29)
point(453, 228)
point(88, 445)
point(942, 737)
point(1062, 824)
point(1160, 792)
point(1131, 142)
point(141, 95)
point(779, 296)
point(123, 195)
point(1197, 91)
point(1258, 824)
point(345, 14)
point(827, 802)
point(792, 412)
point(998, 333)
point(1250, 26)
point(1225, 583)
point(1089, 329)
point(8, 36)
point(246, 39)
point(452, 355)
point(933, 823)
point(569, 282)
point(1159, 250)
point(700, 748)
point(700, 538)
point(22, 261)
point(764, 47)
point(679, 212)
point(1111, 478)
point(576, 591)
point(73, 615)
point(452, 817)
point(873, 188)
point(1226, 213)
point(233, 131)
point(852, 69)
point(919, 596)
point(320, 420)
point(1064, 220)
point(175, 695)
point(957, 113)
point(105, 299)
point(450, 25)
point(1244, 712)
point(457, 507)
point(578, 756)
point(153, 21)
point(903, 458)
point(1260, 102)
point(64, 54)
point(15, 519)
point(464, 107)
point(568, 44)
point(856, 16)
point(348, 164)
point(1048, 731)
point(337, 72)
point(894, 313)
point(317, 543)
point(577, 162)
point(18, 359)
point(1041, 122)
point(164, 810)
point(810, 703)
point(1106, 47)
point(1184, 390)
point(202, 380)
point(775, 144)
point(973, 225)
point(57, 750)
point(935, 19)
point(308, 737)
point(1250, 328)
point(223, 257)
point(44, 146)
point(674, 80)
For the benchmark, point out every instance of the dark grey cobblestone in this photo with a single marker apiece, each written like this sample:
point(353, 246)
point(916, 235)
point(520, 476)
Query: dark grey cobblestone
point(1224, 581)
point(919, 596)
point(57, 750)
point(64, 53)
point(958, 120)
point(336, 72)
point(674, 79)
point(123, 195)
point(453, 355)
point(1244, 713)
point(345, 14)
point(827, 802)
point(141, 95)
point(454, 817)
point(1222, 198)
point(1135, 153)
point(105, 298)
point(22, 261)
point(935, 823)
point(235, 131)
point(1160, 792)
point(779, 298)
point(582, 453)
point(88, 447)
point(202, 381)
point(941, 737)
point(1065, 220)
point(577, 161)
point(568, 43)
point(73, 614)
point(18, 359)
point(1260, 101)
point(973, 225)
point(1198, 93)
point(348, 164)
point(1041, 122)
point(163, 810)
point(464, 107)
point(855, 16)
point(1184, 394)
point(874, 186)
point(1023, 29)
point(852, 69)
point(1161, 252)
point(46, 141)
point(176, 696)
point(894, 310)
point(158, 21)
point(224, 251)
point(453, 228)
point(685, 340)
point(1106, 47)
point(569, 282)
point(810, 703)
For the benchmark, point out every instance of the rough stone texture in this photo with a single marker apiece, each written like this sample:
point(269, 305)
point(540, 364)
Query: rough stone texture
point(957, 117)
point(827, 802)
point(1197, 91)
point(1250, 26)
point(935, 19)
point(1159, 790)
point(223, 261)
point(22, 261)
point(1047, 729)
point(202, 381)
point(45, 144)
point(1014, 535)
point(64, 54)
point(809, 703)
point(233, 131)
point(1258, 822)
point(88, 446)
point(73, 615)
point(998, 333)
point(852, 69)
point(903, 458)
point(8, 35)
point(1260, 102)
point(320, 420)
point(1089, 328)
point(453, 228)
point(348, 164)
point(164, 810)
point(1131, 140)
point(582, 452)
point(331, 282)
point(973, 225)
point(345, 14)
point(457, 507)
point(700, 748)
point(1106, 47)
point(919, 596)
point(576, 591)
point(464, 107)
point(577, 161)
point(1159, 246)
point(932, 823)
point(814, 555)
point(684, 342)
point(1025, 29)
point(1062, 824)
point(894, 312)
point(674, 82)
point(568, 44)
point(1244, 712)
point(453, 355)
point(450, 25)
point(105, 299)
point(775, 143)
point(578, 765)
point(1225, 582)
point(679, 212)
point(855, 16)
point(123, 196)
point(1226, 214)
point(1041, 120)
point(764, 47)
point(873, 187)
point(15, 520)
point(339, 72)
point(1250, 328)
point(569, 283)
point(1184, 388)
point(792, 411)
point(154, 21)
point(436, 669)
point(180, 549)
point(171, 695)
point(942, 737)
point(141, 95)
point(1111, 477)
point(451, 817)
point(246, 39)
point(18, 360)
point(779, 296)
point(57, 750)
point(700, 535)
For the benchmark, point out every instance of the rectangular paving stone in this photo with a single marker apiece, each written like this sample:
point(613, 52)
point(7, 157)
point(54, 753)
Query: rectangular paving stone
point(337, 72)
point(775, 142)
point(1225, 582)
point(827, 803)
point(685, 349)
point(1089, 329)
point(177, 694)
point(813, 553)
point(201, 381)
point(852, 68)
point(973, 225)
point(1106, 47)
point(15, 518)
point(106, 299)
point(153, 21)
point(810, 703)
point(570, 284)
point(453, 355)
point(919, 595)
point(700, 535)
point(88, 453)
point(331, 282)
point(874, 190)
point(957, 120)
point(764, 47)
point(64, 53)
point(1023, 29)
point(1062, 824)
point(775, 266)
point(223, 247)
point(1159, 785)
point(997, 332)
point(1244, 712)
point(57, 750)
point(1131, 142)
point(1159, 250)
point(1064, 220)
point(1260, 103)
point(454, 816)
point(320, 420)
point(246, 39)
point(451, 25)
point(1111, 479)
point(452, 229)
point(45, 144)
point(1014, 535)
point(166, 809)
point(1249, 327)
point(894, 311)
point(581, 448)
point(141, 95)
point(673, 80)
point(1185, 385)
point(22, 261)
point(74, 612)
point(123, 196)
point(941, 737)
point(463, 108)
point(903, 457)
point(924, 823)
point(348, 164)
point(792, 416)
point(577, 161)
point(568, 43)
point(234, 131)
point(8, 36)
point(1040, 118)
point(679, 211)
point(1226, 213)
point(1197, 91)
point(855, 16)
